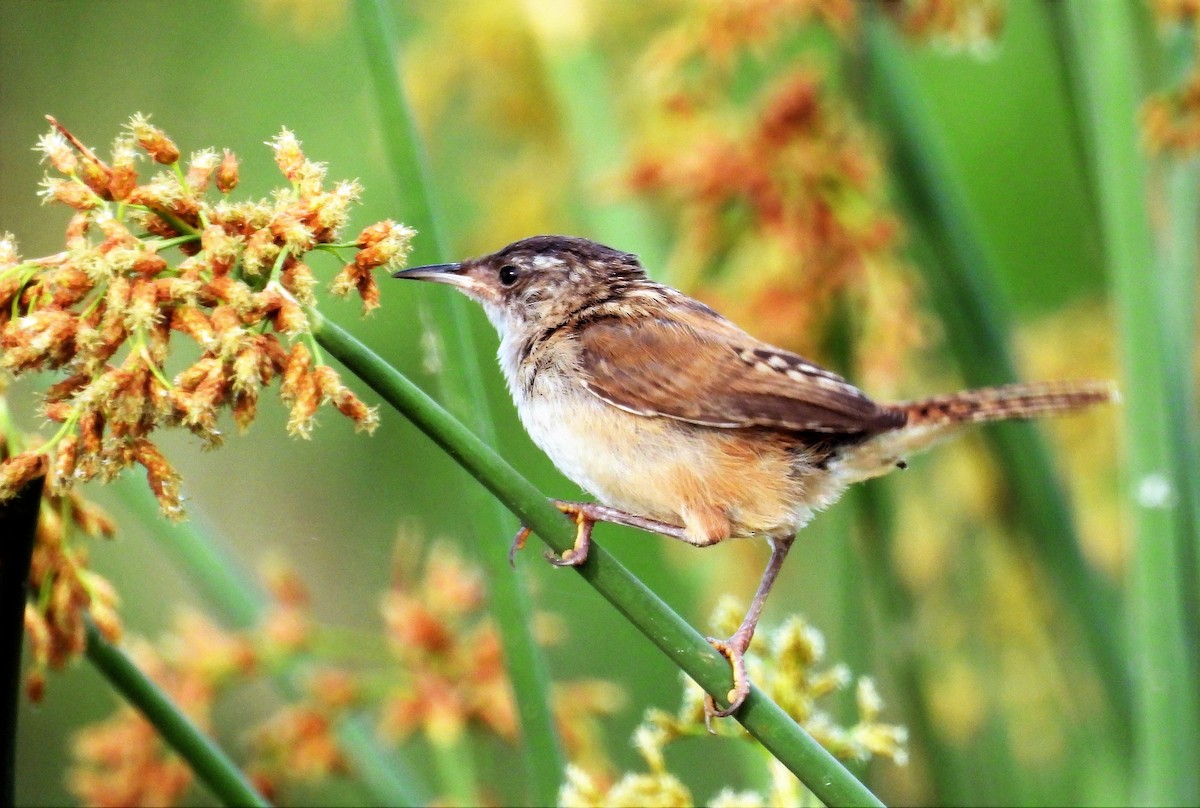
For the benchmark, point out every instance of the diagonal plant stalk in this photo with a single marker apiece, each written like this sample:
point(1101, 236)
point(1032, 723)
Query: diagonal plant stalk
point(387, 778)
point(817, 769)
point(206, 759)
point(1160, 483)
point(461, 387)
point(18, 526)
point(964, 290)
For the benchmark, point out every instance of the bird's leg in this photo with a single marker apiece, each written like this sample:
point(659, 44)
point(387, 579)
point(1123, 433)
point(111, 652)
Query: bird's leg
point(735, 647)
point(586, 514)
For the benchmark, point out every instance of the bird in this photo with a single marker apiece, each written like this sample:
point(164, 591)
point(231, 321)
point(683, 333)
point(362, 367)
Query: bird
point(680, 423)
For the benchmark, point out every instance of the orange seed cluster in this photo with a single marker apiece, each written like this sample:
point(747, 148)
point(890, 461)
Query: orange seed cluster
point(150, 261)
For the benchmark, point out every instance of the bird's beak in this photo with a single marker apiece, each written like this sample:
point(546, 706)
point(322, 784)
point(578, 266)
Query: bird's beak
point(439, 273)
point(457, 275)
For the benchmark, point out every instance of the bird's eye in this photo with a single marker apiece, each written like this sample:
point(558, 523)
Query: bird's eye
point(508, 274)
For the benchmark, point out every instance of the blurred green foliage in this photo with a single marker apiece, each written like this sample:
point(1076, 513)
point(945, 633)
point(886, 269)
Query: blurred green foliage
point(949, 616)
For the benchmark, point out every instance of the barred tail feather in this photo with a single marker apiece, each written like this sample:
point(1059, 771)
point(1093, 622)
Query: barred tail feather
point(931, 420)
point(1009, 402)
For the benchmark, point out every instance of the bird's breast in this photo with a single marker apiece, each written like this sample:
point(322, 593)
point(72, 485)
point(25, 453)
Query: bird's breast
point(711, 481)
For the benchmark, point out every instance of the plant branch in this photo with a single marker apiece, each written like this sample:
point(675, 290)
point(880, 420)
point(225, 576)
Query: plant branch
point(1150, 299)
point(460, 386)
point(387, 778)
point(820, 771)
point(18, 527)
point(206, 759)
point(962, 282)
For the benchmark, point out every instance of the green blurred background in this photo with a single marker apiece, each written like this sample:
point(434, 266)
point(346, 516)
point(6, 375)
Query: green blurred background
point(999, 667)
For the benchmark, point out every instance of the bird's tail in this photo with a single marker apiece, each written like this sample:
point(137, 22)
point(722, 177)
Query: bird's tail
point(930, 420)
point(1009, 402)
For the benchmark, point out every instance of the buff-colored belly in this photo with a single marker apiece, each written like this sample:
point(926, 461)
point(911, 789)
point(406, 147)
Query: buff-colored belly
point(717, 483)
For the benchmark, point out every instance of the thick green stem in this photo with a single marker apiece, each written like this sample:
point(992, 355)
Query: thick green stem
point(765, 720)
point(388, 779)
point(207, 760)
point(461, 388)
point(1161, 432)
point(962, 283)
point(18, 527)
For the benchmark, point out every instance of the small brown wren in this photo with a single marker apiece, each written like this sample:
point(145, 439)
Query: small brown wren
point(683, 424)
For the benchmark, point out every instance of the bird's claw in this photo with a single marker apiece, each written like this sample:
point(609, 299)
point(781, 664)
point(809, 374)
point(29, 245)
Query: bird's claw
point(518, 543)
point(571, 557)
point(578, 553)
point(741, 682)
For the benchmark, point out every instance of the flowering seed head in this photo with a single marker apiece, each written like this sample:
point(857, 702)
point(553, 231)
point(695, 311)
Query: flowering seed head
point(332, 389)
point(383, 244)
point(81, 307)
point(295, 371)
point(246, 369)
point(295, 235)
point(116, 300)
point(289, 318)
point(345, 281)
point(20, 469)
point(297, 277)
point(147, 264)
point(124, 169)
point(222, 248)
point(163, 479)
point(71, 194)
point(115, 233)
point(193, 322)
point(91, 432)
point(200, 169)
point(9, 255)
point(288, 155)
point(368, 290)
point(227, 173)
point(95, 176)
point(224, 288)
point(143, 311)
point(77, 229)
point(333, 207)
point(57, 151)
point(160, 147)
point(245, 408)
point(261, 252)
point(70, 285)
point(304, 407)
point(68, 387)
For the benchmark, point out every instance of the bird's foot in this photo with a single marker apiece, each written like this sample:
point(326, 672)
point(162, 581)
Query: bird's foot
point(577, 553)
point(732, 649)
point(571, 557)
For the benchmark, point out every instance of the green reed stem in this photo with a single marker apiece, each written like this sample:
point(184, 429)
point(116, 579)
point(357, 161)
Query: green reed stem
point(796, 749)
point(962, 283)
point(1162, 433)
point(238, 601)
point(207, 760)
point(461, 388)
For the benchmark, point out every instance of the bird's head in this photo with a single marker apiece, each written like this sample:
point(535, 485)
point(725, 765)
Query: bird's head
point(539, 281)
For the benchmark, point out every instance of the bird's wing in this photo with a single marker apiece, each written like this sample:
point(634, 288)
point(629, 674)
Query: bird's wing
point(698, 367)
